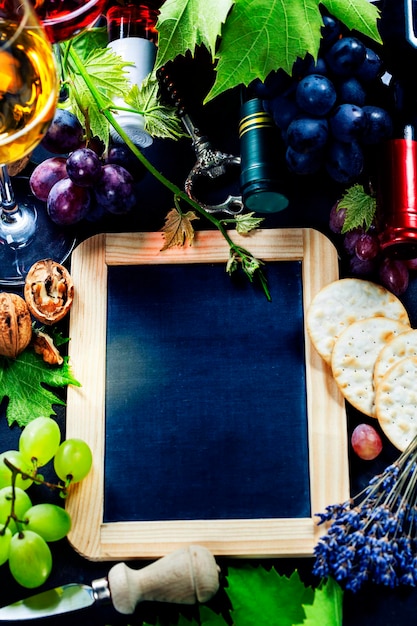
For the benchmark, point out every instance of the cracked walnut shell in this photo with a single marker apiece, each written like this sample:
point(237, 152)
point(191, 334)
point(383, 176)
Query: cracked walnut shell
point(49, 291)
point(15, 325)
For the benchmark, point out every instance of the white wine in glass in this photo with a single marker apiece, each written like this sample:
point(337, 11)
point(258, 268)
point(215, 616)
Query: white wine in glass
point(28, 96)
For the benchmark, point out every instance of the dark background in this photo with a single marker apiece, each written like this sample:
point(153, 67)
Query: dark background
point(310, 201)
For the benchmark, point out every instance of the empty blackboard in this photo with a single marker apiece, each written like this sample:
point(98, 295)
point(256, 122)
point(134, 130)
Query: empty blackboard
point(197, 397)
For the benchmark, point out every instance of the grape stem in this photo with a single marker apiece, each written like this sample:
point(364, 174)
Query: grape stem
point(238, 255)
point(33, 476)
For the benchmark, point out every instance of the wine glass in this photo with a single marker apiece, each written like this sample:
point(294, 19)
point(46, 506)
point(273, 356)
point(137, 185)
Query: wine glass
point(64, 19)
point(28, 96)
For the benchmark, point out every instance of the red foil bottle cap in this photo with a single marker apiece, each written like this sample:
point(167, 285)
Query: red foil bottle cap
point(398, 199)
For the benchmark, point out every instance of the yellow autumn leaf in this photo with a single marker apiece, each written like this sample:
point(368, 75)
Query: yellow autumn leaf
point(178, 228)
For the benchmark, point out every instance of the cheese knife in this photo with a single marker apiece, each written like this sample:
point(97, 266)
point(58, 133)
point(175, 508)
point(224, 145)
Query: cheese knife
point(186, 576)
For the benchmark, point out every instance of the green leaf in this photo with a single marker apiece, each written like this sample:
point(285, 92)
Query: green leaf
point(210, 618)
point(326, 609)
point(360, 208)
point(179, 30)
point(360, 15)
point(251, 38)
point(245, 223)
point(22, 381)
point(160, 120)
point(265, 598)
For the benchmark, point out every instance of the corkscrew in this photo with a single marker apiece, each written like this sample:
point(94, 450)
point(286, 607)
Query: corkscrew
point(210, 163)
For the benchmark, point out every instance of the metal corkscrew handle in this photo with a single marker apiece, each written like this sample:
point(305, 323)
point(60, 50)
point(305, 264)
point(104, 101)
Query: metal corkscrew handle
point(210, 163)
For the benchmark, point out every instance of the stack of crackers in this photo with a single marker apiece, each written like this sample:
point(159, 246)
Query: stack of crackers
point(363, 332)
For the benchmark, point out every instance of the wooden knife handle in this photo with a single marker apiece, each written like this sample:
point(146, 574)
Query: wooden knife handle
point(186, 576)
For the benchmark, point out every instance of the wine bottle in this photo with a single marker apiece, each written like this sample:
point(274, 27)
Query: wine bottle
point(133, 36)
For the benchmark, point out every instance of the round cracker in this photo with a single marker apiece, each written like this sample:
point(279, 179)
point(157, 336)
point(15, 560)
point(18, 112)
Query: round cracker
point(344, 301)
point(398, 348)
point(354, 355)
point(396, 402)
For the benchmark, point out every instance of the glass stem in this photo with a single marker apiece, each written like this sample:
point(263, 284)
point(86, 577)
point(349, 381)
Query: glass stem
point(7, 198)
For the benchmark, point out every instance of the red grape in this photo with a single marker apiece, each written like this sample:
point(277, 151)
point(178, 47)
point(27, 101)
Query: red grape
point(45, 175)
point(67, 202)
point(366, 442)
point(394, 275)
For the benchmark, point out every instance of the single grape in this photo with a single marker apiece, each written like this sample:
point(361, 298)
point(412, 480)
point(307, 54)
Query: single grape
point(115, 190)
point(30, 559)
point(18, 460)
point(303, 163)
point(5, 538)
point(346, 56)
point(347, 122)
point(394, 275)
point(21, 505)
point(330, 31)
point(370, 68)
point(351, 238)
point(283, 110)
point(350, 91)
point(366, 442)
point(367, 246)
point(378, 125)
point(363, 268)
point(67, 202)
point(39, 440)
point(50, 521)
point(344, 162)
point(275, 83)
point(84, 167)
point(307, 134)
point(45, 175)
point(65, 133)
point(312, 66)
point(73, 460)
point(337, 218)
point(120, 154)
point(316, 94)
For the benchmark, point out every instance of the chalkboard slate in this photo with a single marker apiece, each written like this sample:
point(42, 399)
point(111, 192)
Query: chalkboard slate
point(197, 398)
point(214, 397)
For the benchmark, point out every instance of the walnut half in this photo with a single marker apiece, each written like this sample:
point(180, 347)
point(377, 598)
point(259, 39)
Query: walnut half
point(15, 325)
point(49, 291)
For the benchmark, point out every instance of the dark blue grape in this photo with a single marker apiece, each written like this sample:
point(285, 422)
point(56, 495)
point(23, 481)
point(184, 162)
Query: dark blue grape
point(347, 122)
point(378, 125)
point(345, 56)
point(67, 202)
point(115, 189)
point(65, 133)
point(274, 84)
point(303, 162)
point(307, 134)
point(316, 94)
point(283, 110)
point(351, 91)
point(84, 167)
point(370, 68)
point(330, 31)
point(315, 67)
point(344, 162)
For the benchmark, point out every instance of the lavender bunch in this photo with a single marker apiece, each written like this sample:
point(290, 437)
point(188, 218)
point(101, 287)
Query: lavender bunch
point(373, 536)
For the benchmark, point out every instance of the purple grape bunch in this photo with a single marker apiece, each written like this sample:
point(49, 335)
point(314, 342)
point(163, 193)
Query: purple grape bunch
point(322, 109)
point(83, 184)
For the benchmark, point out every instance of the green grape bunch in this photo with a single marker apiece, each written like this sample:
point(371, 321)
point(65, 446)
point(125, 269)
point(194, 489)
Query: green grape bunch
point(27, 529)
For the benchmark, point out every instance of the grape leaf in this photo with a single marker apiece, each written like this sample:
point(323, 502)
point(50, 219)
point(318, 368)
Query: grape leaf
point(160, 120)
point(256, 36)
point(360, 208)
point(22, 381)
point(178, 229)
point(265, 598)
point(326, 609)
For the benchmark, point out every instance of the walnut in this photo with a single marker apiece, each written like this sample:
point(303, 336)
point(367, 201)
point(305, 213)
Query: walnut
point(49, 291)
point(43, 344)
point(15, 325)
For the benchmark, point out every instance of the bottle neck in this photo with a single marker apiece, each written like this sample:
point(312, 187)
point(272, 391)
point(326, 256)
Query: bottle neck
point(132, 20)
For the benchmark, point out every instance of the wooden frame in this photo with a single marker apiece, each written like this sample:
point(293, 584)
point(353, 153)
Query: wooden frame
point(327, 433)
